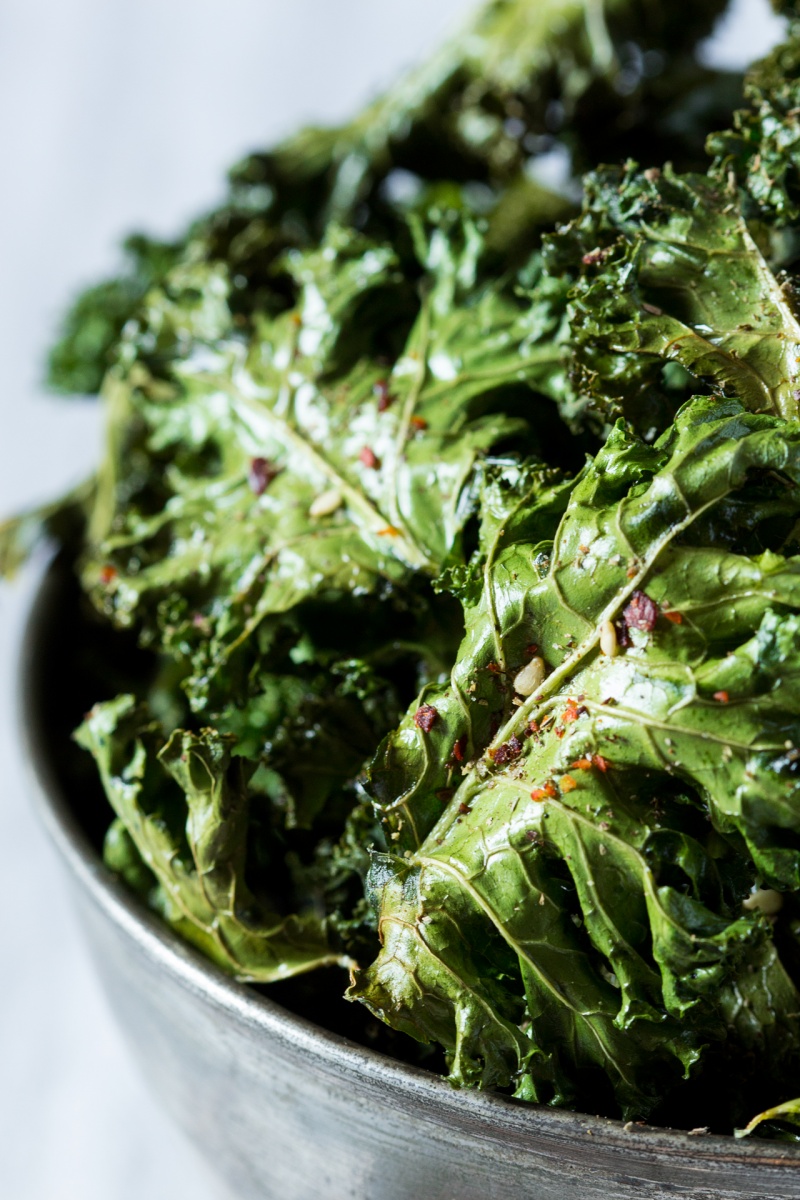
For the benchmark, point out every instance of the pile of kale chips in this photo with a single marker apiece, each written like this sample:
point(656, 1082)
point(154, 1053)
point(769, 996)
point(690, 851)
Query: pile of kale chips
point(462, 516)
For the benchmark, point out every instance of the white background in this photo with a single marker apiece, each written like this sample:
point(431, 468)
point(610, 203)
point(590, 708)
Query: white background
point(120, 114)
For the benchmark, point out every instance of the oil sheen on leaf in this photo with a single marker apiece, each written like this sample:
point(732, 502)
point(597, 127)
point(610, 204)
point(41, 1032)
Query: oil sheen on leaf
point(578, 903)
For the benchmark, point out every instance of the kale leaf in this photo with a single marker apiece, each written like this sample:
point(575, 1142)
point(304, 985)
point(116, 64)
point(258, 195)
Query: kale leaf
point(578, 903)
point(762, 149)
point(335, 453)
point(92, 328)
point(779, 1118)
point(198, 860)
point(668, 274)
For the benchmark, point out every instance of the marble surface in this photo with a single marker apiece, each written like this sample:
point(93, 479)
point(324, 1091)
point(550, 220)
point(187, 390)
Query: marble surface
point(120, 114)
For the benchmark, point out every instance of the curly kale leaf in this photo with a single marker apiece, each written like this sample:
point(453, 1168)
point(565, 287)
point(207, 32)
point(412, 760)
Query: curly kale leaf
point(313, 726)
point(92, 328)
point(762, 150)
point(669, 276)
point(578, 904)
point(412, 775)
point(273, 505)
point(184, 805)
point(334, 453)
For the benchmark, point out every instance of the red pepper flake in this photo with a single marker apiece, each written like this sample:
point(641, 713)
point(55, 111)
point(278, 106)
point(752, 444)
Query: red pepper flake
point(533, 726)
point(108, 574)
point(601, 763)
point(459, 748)
point(418, 423)
point(548, 792)
point(559, 732)
point(494, 668)
point(389, 531)
point(582, 764)
point(567, 783)
point(632, 572)
point(261, 474)
point(384, 396)
point(369, 458)
point(531, 650)
point(583, 549)
point(426, 717)
point(464, 809)
point(675, 617)
point(572, 712)
point(641, 613)
point(723, 697)
point(507, 752)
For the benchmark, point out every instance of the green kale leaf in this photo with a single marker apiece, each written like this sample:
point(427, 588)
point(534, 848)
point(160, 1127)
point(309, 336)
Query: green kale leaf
point(334, 453)
point(184, 806)
point(779, 1117)
point(669, 276)
point(578, 904)
point(92, 328)
point(272, 509)
point(762, 149)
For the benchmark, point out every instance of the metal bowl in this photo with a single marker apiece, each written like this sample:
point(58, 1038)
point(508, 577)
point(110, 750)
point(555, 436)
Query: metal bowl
point(284, 1109)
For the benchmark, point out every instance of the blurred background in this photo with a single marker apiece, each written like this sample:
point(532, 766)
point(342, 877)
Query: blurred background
point(119, 115)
